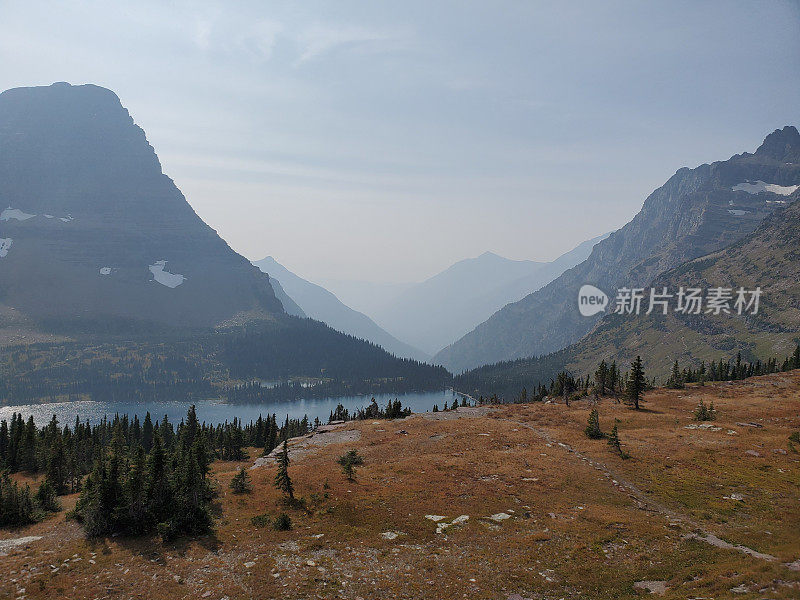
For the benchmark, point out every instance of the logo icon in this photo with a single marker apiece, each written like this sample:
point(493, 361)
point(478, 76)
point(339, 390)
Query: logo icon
point(591, 300)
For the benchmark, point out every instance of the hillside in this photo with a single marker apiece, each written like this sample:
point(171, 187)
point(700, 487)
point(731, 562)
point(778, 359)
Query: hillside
point(697, 511)
point(696, 212)
point(302, 357)
point(316, 302)
point(769, 258)
point(95, 237)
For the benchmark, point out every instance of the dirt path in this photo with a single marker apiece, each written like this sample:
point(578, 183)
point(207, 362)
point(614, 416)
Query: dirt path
point(643, 501)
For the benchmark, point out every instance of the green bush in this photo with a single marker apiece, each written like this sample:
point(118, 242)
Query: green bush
point(593, 430)
point(282, 522)
point(260, 521)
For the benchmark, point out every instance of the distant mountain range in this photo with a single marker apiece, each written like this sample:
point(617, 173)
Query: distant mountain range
point(697, 212)
point(439, 310)
point(318, 303)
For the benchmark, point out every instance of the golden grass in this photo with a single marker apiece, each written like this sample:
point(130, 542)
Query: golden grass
point(573, 532)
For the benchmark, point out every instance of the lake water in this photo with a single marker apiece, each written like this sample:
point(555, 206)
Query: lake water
point(214, 412)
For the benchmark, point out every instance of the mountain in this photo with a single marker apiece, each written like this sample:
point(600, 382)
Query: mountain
point(695, 213)
point(318, 303)
point(290, 306)
point(93, 235)
point(768, 259)
point(439, 310)
point(102, 257)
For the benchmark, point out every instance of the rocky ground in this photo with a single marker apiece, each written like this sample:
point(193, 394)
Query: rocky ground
point(509, 502)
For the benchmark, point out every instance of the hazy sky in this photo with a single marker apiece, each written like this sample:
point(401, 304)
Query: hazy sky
point(385, 140)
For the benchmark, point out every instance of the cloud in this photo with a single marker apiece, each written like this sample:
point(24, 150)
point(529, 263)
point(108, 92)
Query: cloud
point(318, 40)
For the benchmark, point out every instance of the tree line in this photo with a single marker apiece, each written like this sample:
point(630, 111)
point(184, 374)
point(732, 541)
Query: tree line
point(223, 365)
point(133, 476)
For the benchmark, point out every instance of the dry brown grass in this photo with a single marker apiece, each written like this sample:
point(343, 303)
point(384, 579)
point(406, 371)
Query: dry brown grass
point(585, 523)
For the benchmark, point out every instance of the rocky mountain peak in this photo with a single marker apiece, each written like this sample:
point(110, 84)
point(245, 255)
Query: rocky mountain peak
point(92, 230)
point(782, 144)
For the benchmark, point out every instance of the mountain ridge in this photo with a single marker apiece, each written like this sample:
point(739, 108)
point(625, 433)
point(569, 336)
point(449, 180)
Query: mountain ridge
point(697, 211)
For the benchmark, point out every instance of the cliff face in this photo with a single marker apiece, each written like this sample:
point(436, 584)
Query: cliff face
point(696, 212)
point(95, 235)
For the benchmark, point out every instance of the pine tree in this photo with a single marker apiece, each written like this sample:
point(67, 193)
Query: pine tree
point(240, 484)
point(136, 494)
point(282, 480)
point(593, 430)
point(601, 378)
point(46, 498)
point(349, 461)
point(613, 439)
point(57, 465)
point(636, 383)
point(675, 380)
point(147, 432)
point(158, 488)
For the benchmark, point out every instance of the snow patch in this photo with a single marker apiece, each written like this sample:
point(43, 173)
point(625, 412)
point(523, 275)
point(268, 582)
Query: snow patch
point(105, 270)
point(16, 214)
point(761, 186)
point(5, 246)
point(164, 277)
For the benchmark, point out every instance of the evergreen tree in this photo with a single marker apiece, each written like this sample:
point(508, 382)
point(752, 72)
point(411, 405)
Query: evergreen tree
point(349, 461)
point(240, 484)
point(613, 439)
point(158, 488)
point(675, 380)
point(636, 383)
point(593, 430)
point(601, 378)
point(147, 433)
point(46, 498)
point(57, 465)
point(282, 480)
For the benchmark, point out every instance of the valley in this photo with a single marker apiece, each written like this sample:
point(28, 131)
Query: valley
point(447, 301)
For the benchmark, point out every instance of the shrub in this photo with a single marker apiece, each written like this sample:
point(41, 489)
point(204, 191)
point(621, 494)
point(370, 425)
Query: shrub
point(260, 521)
point(282, 522)
point(46, 498)
point(705, 413)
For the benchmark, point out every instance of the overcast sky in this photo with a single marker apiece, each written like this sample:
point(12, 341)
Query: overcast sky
point(384, 141)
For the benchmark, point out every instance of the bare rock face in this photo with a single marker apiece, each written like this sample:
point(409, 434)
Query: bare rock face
point(94, 236)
